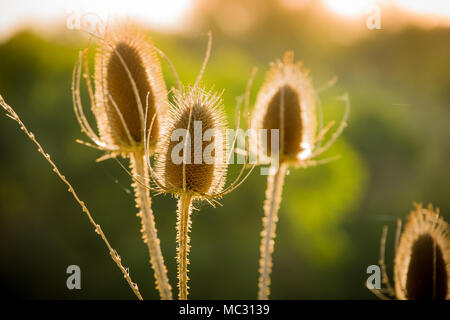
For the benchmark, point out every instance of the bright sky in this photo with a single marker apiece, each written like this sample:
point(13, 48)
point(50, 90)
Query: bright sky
point(167, 14)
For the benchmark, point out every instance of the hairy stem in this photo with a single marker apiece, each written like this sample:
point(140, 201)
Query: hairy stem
point(149, 232)
point(114, 254)
point(271, 205)
point(183, 228)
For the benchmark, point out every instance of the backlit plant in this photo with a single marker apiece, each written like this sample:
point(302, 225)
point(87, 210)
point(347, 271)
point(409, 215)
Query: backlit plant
point(422, 258)
point(286, 103)
point(128, 87)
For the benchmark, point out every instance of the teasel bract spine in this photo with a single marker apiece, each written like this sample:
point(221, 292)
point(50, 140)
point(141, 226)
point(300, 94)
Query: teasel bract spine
point(130, 93)
point(287, 102)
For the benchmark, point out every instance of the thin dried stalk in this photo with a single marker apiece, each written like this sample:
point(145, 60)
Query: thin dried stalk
point(271, 205)
point(149, 231)
point(183, 228)
point(114, 254)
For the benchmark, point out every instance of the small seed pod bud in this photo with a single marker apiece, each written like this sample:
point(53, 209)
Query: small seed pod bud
point(422, 261)
point(191, 156)
point(286, 102)
point(129, 87)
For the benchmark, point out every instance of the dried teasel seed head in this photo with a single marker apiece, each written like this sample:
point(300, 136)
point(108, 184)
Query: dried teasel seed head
point(286, 101)
point(201, 114)
point(422, 261)
point(127, 71)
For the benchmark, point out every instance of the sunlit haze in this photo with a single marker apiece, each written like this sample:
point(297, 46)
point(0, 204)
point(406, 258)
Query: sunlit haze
point(171, 15)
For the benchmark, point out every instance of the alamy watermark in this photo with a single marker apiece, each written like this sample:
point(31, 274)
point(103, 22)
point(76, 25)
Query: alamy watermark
point(88, 21)
point(373, 21)
point(374, 280)
point(74, 279)
point(230, 147)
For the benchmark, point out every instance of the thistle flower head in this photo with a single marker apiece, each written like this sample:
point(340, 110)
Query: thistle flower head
point(191, 156)
point(422, 261)
point(286, 102)
point(129, 91)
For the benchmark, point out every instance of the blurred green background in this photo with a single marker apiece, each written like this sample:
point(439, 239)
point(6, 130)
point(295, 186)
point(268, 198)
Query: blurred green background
point(394, 151)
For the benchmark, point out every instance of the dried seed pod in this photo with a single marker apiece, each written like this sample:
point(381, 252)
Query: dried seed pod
point(126, 71)
point(129, 90)
point(196, 114)
point(422, 261)
point(286, 101)
point(194, 168)
point(130, 97)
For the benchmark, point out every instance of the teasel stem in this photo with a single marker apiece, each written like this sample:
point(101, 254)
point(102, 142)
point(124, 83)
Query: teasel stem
point(275, 182)
point(149, 232)
point(183, 228)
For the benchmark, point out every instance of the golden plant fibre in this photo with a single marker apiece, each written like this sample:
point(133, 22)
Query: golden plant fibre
point(114, 254)
point(422, 260)
point(286, 102)
point(130, 97)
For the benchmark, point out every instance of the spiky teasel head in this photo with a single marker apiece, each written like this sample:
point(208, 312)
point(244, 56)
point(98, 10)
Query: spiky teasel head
point(286, 101)
point(129, 91)
point(422, 261)
point(191, 155)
